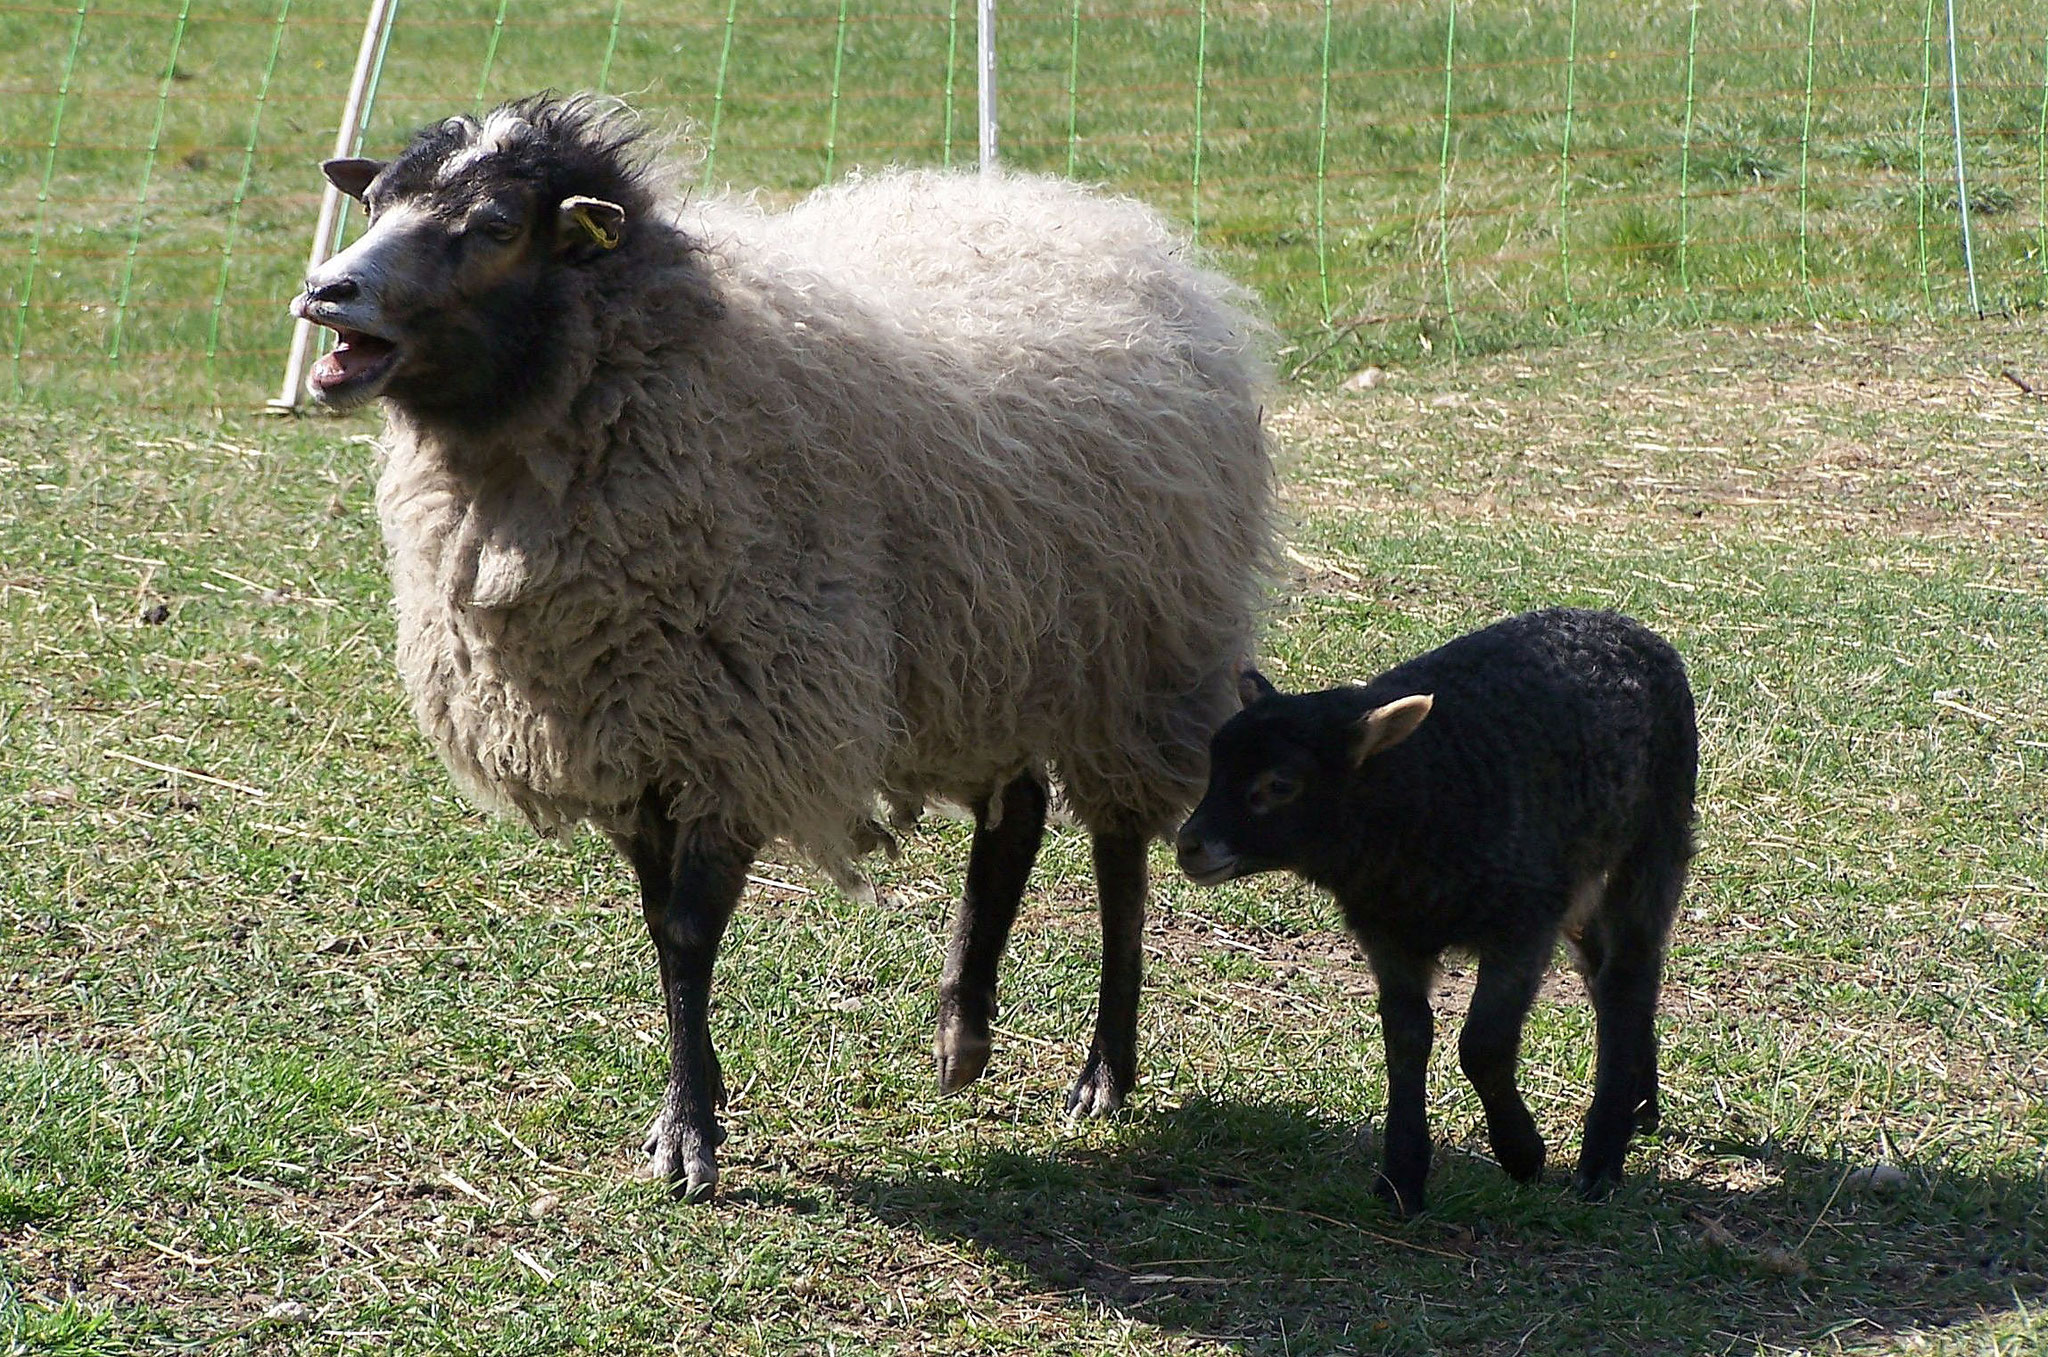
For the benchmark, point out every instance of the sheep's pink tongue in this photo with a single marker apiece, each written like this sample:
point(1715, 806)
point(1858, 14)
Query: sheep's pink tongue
point(349, 359)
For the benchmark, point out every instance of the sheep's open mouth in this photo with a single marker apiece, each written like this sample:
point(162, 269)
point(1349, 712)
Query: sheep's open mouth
point(355, 368)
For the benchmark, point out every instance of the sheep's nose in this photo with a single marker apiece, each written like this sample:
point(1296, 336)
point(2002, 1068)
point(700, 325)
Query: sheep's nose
point(1187, 843)
point(340, 290)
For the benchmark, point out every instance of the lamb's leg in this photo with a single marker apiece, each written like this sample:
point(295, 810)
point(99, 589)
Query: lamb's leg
point(690, 881)
point(1625, 1076)
point(1006, 838)
point(1633, 925)
point(1625, 1079)
point(1112, 1068)
point(1488, 1048)
point(1593, 956)
point(1409, 1030)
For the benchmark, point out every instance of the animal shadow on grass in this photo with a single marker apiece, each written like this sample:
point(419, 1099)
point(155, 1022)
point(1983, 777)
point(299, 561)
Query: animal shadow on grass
point(1256, 1225)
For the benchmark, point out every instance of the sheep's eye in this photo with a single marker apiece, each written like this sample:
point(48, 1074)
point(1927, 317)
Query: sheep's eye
point(497, 228)
point(1271, 791)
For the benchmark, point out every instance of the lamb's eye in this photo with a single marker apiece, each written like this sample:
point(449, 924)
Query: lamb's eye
point(1273, 790)
point(497, 228)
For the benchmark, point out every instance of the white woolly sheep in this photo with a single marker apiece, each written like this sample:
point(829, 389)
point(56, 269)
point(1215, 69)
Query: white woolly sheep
point(710, 527)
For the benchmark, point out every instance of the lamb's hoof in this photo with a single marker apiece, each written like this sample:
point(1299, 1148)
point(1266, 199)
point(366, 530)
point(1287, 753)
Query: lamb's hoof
point(962, 1057)
point(1098, 1092)
point(1595, 1186)
point(690, 1170)
point(1404, 1202)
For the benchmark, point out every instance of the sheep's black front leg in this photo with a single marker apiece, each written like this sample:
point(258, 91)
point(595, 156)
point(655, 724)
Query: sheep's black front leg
point(691, 878)
point(1488, 1049)
point(1112, 1068)
point(1409, 1031)
point(1006, 838)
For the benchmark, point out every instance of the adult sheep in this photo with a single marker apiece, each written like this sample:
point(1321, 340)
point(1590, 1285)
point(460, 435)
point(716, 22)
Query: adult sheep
point(709, 527)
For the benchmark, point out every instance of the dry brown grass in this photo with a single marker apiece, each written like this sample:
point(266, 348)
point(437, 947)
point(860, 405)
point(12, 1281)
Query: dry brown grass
point(1799, 428)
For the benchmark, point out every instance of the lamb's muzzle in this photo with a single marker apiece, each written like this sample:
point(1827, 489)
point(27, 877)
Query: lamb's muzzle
point(1204, 861)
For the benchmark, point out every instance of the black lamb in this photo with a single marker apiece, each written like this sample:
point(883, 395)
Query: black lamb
point(1528, 780)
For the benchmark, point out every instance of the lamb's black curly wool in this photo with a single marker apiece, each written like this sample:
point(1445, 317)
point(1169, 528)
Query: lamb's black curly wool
point(1528, 780)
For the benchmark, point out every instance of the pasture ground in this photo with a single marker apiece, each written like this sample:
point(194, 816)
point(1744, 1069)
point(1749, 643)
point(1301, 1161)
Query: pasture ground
point(300, 1055)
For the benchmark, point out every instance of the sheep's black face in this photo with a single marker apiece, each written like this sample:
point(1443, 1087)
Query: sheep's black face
point(449, 301)
point(436, 306)
point(1275, 772)
point(1279, 776)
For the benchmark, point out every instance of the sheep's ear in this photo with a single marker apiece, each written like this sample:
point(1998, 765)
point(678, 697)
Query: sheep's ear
point(352, 175)
point(1384, 727)
point(1252, 686)
point(587, 226)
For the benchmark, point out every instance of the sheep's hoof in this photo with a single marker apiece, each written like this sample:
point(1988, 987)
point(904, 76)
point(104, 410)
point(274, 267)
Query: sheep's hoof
point(690, 1170)
point(1521, 1159)
point(1098, 1092)
point(962, 1057)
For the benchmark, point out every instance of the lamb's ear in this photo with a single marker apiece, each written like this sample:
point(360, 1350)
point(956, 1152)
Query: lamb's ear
point(1252, 686)
point(1384, 727)
point(588, 226)
point(352, 175)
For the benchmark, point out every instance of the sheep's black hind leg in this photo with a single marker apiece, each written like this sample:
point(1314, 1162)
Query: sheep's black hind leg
point(1006, 839)
point(1112, 1068)
point(1488, 1049)
point(1631, 926)
point(1592, 958)
point(690, 882)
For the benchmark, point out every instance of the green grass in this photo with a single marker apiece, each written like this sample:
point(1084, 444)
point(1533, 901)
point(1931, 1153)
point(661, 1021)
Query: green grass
point(163, 273)
point(298, 1054)
point(303, 1056)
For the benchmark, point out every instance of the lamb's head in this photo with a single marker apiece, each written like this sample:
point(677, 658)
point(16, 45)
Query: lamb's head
point(1278, 775)
point(447, 303)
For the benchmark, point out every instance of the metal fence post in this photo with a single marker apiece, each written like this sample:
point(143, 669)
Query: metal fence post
point(1955, 107)
point(347, 139)
point(985, 65)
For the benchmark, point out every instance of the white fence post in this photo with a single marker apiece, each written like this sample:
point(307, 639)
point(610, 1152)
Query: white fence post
point(1955, 108)
point(985, 53)
point(348, 138)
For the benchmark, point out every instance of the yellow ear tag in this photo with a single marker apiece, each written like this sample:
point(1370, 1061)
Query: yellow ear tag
point(606, 240)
